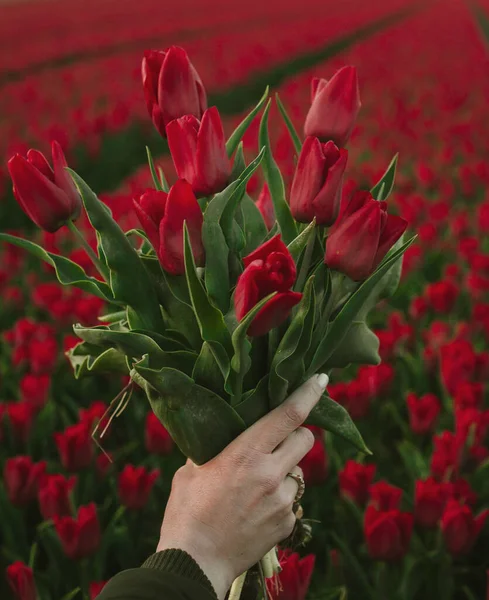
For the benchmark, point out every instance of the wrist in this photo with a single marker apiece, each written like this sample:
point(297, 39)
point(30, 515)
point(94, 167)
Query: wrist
point(216, 569)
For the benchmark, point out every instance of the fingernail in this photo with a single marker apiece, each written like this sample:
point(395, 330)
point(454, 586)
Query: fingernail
point(323, 380)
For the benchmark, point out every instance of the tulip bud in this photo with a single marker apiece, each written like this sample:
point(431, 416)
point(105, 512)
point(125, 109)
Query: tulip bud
point(362, 236)
point(460, 528)
point(315, 464)
point(423, 412)
point(294, 578)
point(75, 447)
point(135, 485)
point(80, 536)
point(172, 87)
point(54, 496)
point(198, 150)
point(47, 196)
point(385, 496)
point(21, 581)
point(21, 417)
point(22, 478)
point(430, 498)
point(388, 533)
point(316, 188)
point(335, 107)
point(269, 268)
point(162, 217)
point(95, 588)
point(355, 480)
point(265, 205)
point(157, 439)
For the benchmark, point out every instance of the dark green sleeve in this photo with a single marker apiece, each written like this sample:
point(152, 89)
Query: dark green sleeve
point(168, 575)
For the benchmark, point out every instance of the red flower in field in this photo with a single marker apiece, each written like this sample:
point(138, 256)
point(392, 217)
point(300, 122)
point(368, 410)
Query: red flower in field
point(418, 308)
point(265, 205)
point(335, 107)
point(92, 415)
point(54, 496)
point(75, 447)
point(460, 490)
point(95, 588)
point(172, 86)
point(385, 496)
point(21, 416)
point(21, 581)
point(87, 310)
point(43, 354)
point(469, 394)
point(460, 528)
point(362, 236)
point(295, 577)
point(430, 498)
point(198, 150)
point(156, 437)
point(35, 389)
point(423, 412)
point(22, 477)
point(442, 296)
point(446, 455)
point(163, 215)
point(388, 533)
point(103, 464)
point(269, 268)
point(317, 184)
point(80, 536)
point(315, 464)
point(458, 362)
point(48, 197)
point(377, 380)
point(437, 334)
point(135, 485)
point(355, 480)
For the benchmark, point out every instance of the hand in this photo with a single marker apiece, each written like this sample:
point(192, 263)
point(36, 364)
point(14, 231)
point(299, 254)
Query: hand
point(228, 513)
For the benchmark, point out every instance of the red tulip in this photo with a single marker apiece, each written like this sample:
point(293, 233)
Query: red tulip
point(21, 580)
point(423, 412)
point(460, 528)
point(22, 477)
point(172, 86)
point(362, 236)
point(318, 179)
point(48, 197)
point(135, 485)
point(442, 296)
point(387, 533)
point(315, 464)
point(75, 446)
point(430, 498)
point(80, 536)
point(198, 150)
point(54, 496)
point(35, 389)
point(295, 577)
point(265, 206)
point(95, 588)
point(157, 439)
point(162, 216)
point(446, 454)
point(355, 480)
point(269, 268)
point(92, 415)
point(21, 416)
point(385, 496)
point(335, 107)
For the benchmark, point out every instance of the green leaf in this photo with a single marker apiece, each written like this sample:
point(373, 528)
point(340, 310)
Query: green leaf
point(164, 182)
point(359, 346)
point(287, 366)
point(129, 279)
point(290, 126)
point(239, 164)
point(86, 359)
point(136, 345)
point(298, 244)
point(254, 227)
point(156, 181)
point(390, 281)
point(207, 372)
point(113, 317)
point(254, 404)
point(216, 264)
point(383, 188)
point(210, 319)
point(240, 130)
point(241, 361)
point(332, 417)
point(275, 183)
point(201, 422)
point(67, 272)
point(339, 327)
point(413, 459)
point(72, 594)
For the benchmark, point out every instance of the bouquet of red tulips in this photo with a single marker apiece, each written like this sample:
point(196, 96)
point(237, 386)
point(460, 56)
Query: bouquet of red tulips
point(221, 306)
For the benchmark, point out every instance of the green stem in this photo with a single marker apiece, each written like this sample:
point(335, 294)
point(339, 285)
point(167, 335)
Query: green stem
point(101, 268)
point(306, 263)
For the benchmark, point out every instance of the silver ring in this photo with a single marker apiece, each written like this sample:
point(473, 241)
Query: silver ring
point(300, 482)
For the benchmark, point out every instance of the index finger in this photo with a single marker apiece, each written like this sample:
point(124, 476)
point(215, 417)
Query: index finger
point(272, 429)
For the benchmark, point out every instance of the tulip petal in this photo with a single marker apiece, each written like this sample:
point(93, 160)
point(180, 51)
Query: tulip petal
point(395, 226)
point(326, 204)
point(182, 140)
point(150, 210)
point(212, 162)
point(274, 313)
point(63, 179)
point(150, 72)
point(274, 244)
point(38, 160)
point(247, 293)
point(181, 207)
point(309, 177)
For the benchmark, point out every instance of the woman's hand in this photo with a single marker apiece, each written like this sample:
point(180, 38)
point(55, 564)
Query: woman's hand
point(228, 513)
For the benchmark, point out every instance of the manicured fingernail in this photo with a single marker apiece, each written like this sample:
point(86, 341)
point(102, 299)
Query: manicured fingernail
point(323, 380)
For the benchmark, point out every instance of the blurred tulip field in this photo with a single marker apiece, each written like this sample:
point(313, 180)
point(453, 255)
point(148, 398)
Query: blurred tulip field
point(408, 522)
